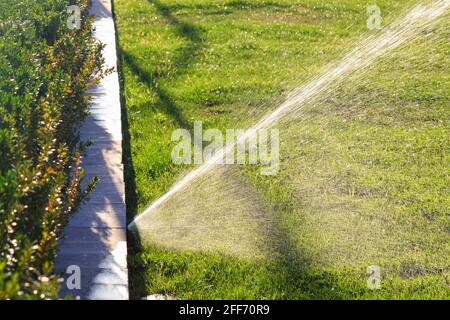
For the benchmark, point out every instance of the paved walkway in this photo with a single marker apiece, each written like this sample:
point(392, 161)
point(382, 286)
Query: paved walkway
point(94, 242)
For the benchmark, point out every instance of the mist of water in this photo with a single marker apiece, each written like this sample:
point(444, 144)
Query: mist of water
point(404, 29)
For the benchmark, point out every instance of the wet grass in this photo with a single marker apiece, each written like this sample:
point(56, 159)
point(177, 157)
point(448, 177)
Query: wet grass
point(194, 275)
point(363, 181)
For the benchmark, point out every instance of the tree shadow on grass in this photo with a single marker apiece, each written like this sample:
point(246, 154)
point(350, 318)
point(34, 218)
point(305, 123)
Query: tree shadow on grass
point(150, 78)
point(289, 274)
point(293, 272)
point(228, 7)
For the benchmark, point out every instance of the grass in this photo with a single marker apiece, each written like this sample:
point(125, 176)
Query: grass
point(363, 177)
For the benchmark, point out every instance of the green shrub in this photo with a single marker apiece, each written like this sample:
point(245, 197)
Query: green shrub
point(45, 70)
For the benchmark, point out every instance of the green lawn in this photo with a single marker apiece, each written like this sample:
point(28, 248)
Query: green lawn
point(363, 177)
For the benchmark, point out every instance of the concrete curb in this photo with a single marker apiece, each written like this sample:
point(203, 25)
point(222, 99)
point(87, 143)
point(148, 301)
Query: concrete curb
point(94, 241)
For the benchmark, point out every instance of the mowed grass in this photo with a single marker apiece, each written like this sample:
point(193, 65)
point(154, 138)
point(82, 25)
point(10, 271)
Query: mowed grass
point(363, 180)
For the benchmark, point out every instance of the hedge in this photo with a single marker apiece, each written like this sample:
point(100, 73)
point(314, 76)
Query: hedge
point(45, 70)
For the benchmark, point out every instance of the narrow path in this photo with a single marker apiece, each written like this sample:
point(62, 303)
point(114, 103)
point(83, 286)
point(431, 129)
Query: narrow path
point(94, 241)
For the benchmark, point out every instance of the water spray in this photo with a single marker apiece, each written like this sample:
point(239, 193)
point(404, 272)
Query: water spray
point(365, 53)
